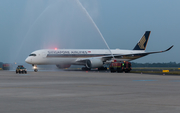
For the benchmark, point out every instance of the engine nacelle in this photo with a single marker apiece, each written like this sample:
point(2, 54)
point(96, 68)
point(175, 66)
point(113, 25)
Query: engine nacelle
point(94, 63)
point(63, 66)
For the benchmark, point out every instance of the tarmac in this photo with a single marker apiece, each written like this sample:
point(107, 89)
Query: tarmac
point(88, 92)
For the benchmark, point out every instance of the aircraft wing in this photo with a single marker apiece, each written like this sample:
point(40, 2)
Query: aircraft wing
point(124, 57)
point(161, 51)
point(134, 56)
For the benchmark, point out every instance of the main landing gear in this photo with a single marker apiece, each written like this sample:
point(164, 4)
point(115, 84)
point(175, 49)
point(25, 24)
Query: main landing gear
point(102, 68)
point(86, 69)
point(99, 69)
point(35, 68)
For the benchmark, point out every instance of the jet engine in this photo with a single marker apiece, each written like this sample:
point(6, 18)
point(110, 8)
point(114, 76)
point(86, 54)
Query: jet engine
point(63, 66)
point(94, 63)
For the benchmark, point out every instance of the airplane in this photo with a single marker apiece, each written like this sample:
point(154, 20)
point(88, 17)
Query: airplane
point(90, 58)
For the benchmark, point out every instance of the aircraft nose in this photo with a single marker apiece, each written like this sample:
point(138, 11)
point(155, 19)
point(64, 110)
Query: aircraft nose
point(28, 60)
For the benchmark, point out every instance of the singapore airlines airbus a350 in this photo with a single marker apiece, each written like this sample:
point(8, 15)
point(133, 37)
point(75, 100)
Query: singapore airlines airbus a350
point(90, 58)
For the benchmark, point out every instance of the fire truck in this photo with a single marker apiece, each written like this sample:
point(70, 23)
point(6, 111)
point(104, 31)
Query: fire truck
point(120, 67)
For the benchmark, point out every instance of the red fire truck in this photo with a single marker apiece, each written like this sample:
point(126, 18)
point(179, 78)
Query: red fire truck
point(120, 67)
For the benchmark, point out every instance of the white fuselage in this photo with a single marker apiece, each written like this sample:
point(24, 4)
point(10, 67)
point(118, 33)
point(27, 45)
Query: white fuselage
point(70, 56)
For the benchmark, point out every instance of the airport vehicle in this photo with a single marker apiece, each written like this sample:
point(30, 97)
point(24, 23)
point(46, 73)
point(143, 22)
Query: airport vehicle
point(120, 67)
point(21, 69)
point(6, 66)
point(90, 58)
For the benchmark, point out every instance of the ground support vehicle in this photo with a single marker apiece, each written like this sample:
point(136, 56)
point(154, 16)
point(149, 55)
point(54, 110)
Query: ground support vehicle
point(6, 66)
point(21, 69)
point(120, 67)
point(127, 67)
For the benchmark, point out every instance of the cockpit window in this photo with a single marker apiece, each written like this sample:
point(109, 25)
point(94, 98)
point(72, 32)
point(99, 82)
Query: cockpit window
point(32, 55)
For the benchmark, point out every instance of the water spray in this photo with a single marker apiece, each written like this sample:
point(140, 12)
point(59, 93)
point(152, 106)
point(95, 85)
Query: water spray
point(21, 45)
point(95, 26)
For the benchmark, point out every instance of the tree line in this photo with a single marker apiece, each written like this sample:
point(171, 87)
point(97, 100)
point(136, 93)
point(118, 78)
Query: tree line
point(170, 64)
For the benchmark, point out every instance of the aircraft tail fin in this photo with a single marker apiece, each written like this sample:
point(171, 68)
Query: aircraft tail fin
point(141, 45)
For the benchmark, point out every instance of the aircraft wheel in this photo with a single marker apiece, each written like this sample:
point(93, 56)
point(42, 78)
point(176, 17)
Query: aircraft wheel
point(102, 68)
point(35, 70)
point(127, 71)
point(86, 69)
point(105, 68)
point(112, 71)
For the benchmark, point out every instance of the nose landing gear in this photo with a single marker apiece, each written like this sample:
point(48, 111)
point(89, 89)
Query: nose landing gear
point(35, 68)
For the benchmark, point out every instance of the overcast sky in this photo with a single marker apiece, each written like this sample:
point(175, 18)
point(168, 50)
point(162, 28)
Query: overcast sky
point(29, 25)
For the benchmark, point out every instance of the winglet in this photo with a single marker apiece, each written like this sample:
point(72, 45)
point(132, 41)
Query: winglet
point(161, 51)
point(168, 49)
point(141, 45)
